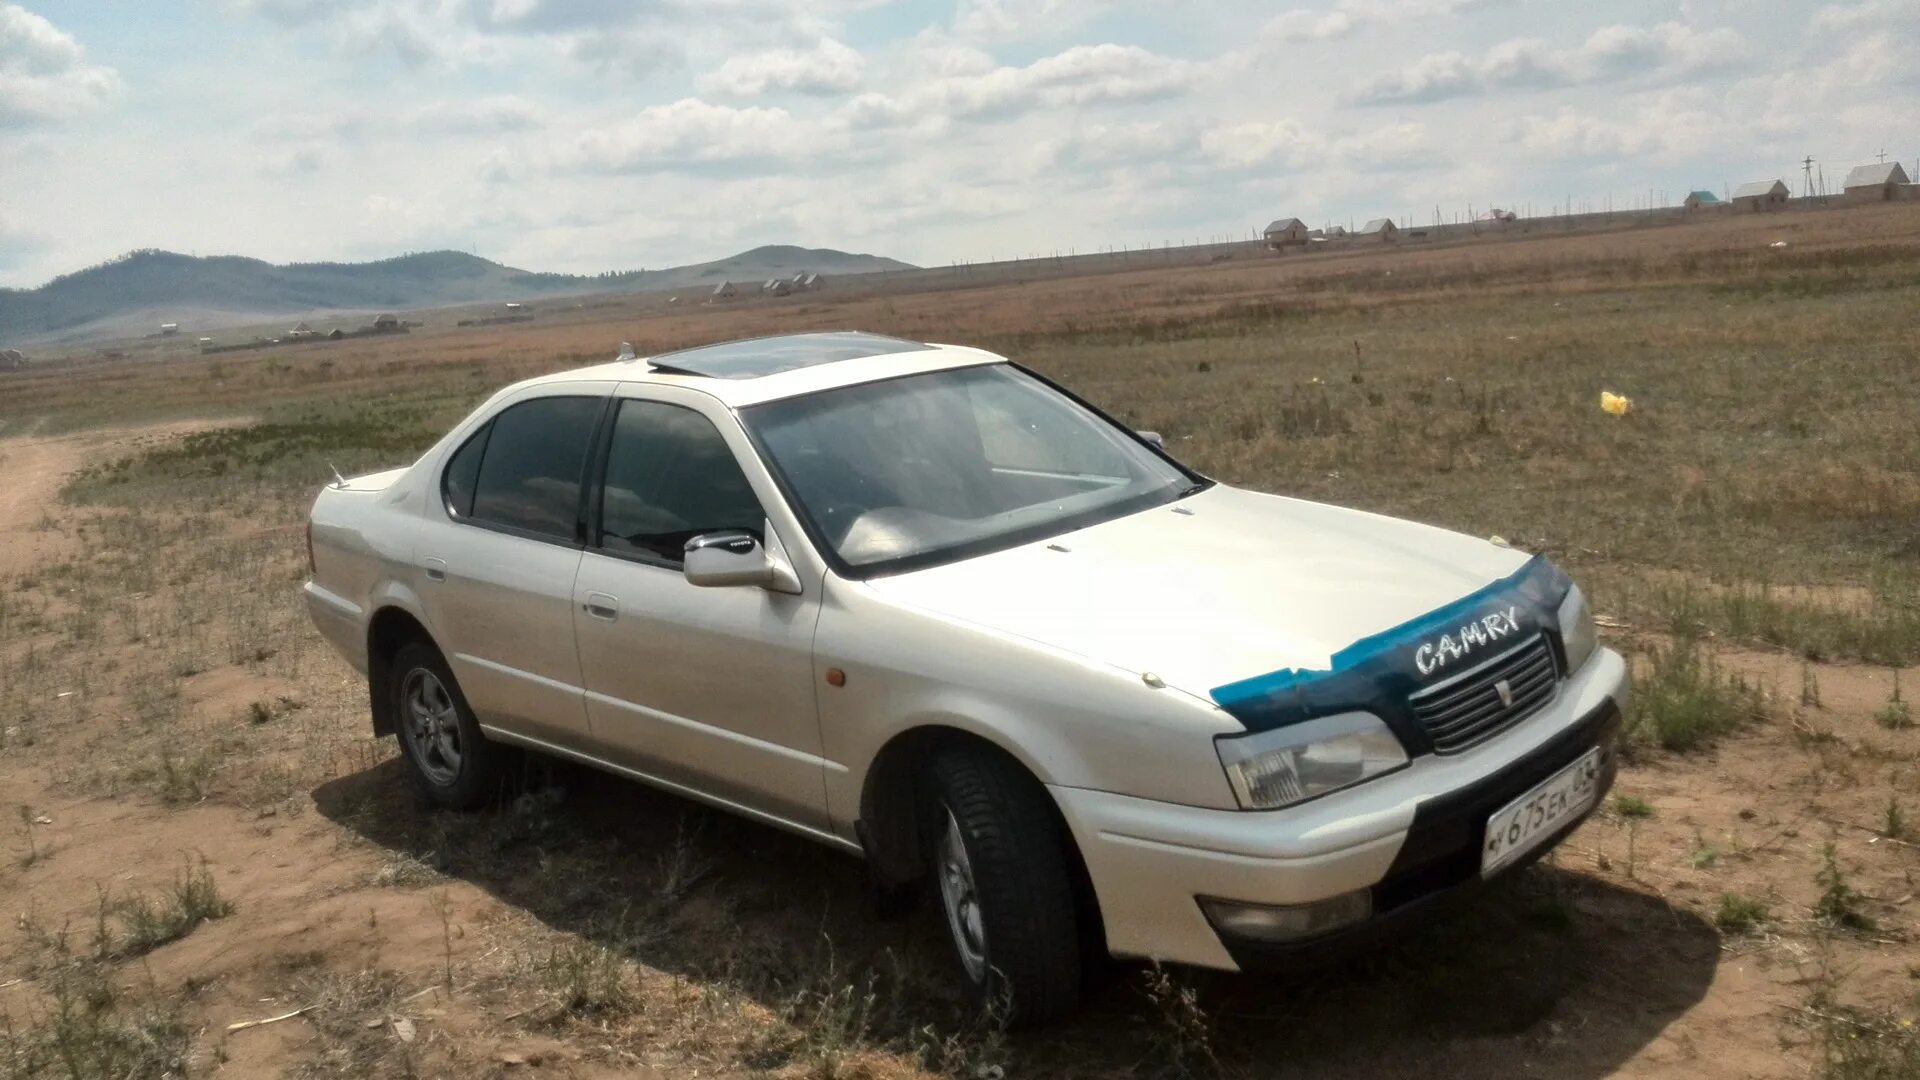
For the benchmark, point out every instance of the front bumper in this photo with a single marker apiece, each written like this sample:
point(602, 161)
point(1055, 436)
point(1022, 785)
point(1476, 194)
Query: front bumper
point(1412, 839)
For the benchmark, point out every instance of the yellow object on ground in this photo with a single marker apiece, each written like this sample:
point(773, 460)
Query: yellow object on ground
point(1614, 404)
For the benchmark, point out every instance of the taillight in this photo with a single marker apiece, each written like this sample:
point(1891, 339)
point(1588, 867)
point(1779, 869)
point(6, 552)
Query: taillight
point(311, 568)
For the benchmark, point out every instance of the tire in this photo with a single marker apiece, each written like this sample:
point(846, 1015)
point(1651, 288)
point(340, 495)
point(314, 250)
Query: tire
point(1001, 867)
point(451, 762)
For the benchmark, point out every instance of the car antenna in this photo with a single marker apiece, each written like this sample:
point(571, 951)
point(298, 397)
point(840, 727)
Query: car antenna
point(626, 353)
point(338, 480)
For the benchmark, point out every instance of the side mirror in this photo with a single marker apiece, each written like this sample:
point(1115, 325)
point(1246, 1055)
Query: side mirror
point(730, 557)
point(1153, 437)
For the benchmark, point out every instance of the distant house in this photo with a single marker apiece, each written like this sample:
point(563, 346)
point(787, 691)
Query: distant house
point(812, 281)
point(1285, 233)
point(1496, 216)
point(1701, 200)
point(386, 323)
point(724, 291)
point(1761, 195)
point(12, 360)
point(1379, 229)
point(168, 329)
point(514, 305)
point(777, 287)
point(1875, 183)
point(204, 341)
point(300, 332)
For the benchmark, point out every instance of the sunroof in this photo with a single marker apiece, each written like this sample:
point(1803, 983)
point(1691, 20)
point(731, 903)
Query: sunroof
point(755, 357)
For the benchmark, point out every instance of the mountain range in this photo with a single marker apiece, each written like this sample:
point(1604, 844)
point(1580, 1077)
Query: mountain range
point(133, 294)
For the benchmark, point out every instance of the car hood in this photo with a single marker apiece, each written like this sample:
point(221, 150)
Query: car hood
point(1219, 588)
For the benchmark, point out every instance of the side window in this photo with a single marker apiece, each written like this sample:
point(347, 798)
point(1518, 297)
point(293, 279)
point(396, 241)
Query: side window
point(671, 477)
point(463, 469)
point(529, 475)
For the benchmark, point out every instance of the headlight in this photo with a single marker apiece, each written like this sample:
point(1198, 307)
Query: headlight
point(1576, 629)
point(1271, 769)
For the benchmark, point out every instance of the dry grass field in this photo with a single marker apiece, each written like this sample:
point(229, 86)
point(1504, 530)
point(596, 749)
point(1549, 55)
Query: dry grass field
point(199, 832)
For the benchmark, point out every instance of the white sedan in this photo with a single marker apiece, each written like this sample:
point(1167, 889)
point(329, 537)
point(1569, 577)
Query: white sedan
point(918, 603)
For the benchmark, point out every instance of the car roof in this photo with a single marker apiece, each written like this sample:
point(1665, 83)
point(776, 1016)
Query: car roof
point(755, 370)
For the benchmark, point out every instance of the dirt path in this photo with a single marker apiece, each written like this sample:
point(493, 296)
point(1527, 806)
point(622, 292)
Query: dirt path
point(33, 466)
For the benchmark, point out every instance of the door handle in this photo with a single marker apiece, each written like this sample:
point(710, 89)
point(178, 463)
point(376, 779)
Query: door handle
point(602, 606)
point(436, 569)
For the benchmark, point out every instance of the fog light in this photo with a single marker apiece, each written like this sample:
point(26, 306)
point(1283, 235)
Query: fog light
point(1293, 922)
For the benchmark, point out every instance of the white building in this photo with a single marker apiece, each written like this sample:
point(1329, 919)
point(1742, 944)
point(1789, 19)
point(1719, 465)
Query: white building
point(1875, 183)
point(1285, 232)
point(1761, 195)
point(1379, 229)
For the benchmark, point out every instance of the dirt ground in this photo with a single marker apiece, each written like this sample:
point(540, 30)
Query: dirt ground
point(1607, 962)
point(200, 834)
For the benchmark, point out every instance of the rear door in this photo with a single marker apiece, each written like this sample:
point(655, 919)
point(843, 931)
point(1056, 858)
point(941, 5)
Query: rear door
point(707, 689)
point(498, 565)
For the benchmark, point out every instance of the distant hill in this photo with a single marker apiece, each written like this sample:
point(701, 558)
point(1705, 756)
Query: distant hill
point(228, 289)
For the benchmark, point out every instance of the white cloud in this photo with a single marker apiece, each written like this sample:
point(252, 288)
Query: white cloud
point(590, 134)
point(690, 134)
point(1613, 53)
point(1351, 16)
point(1569, 134)
point(1081, 75)
point(1118, 145)
point(828, 67)
point(479, 116)
point(44, 75)
point(1016, 19)
point(1261, 143)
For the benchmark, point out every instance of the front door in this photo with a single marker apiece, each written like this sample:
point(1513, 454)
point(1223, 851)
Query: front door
point(707, 689)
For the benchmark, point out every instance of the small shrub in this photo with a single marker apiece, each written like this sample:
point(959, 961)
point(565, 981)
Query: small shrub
point(90, 1030)
point(1683, 700)
point(1740, 914)
point(193, 899)
point(185, 780)
point(1183, 1035)
point(1839, 903)
point(1632, 807)
point(1855, 1044)
point(585, 978)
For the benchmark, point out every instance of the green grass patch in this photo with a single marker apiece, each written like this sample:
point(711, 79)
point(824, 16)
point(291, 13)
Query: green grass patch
point(1883, 629)
point(1739, 914)
point(1682, 700)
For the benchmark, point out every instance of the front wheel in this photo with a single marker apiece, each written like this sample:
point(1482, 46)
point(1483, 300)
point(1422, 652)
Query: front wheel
point(1001, 868)
point(451, 762)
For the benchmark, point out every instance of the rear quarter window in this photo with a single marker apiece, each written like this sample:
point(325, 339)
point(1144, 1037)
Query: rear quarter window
point(463, 471)
point(531, 467)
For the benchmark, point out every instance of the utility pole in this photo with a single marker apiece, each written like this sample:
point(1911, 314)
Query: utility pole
point(1806, 165)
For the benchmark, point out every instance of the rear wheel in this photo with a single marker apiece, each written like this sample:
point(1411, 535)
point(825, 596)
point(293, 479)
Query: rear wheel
point(451, 762)
point(1000, 866)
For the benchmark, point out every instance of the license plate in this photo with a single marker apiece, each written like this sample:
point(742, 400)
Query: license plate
point(1522, 824)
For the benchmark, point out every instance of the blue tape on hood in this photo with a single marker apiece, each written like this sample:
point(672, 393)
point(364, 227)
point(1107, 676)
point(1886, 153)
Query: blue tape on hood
point(1359, 671)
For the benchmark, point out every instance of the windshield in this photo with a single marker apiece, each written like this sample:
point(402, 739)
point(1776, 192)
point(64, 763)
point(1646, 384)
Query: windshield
point(953, 462)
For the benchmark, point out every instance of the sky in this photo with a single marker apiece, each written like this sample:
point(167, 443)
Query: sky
point(590, 135)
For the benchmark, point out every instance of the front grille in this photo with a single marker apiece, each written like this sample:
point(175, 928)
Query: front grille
point(1468, 708)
